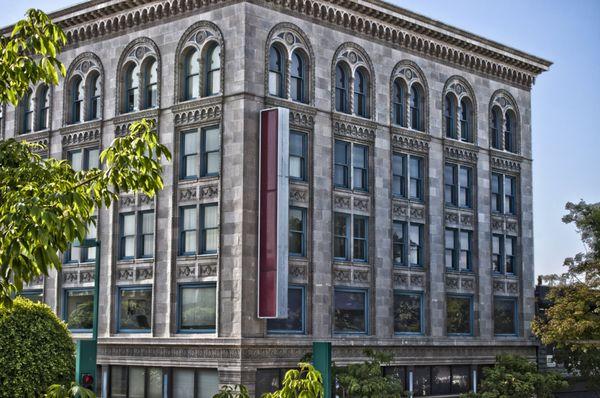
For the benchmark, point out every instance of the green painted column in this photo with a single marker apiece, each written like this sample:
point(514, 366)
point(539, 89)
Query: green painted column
point(322, 362)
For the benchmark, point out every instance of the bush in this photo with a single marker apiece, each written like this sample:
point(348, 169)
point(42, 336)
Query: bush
point(36, 350)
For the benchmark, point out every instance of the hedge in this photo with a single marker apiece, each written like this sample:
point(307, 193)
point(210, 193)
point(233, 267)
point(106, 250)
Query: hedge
point(36, 350)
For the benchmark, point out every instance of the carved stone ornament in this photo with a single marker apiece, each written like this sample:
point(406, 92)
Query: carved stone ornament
point(452, 283)
point(354, 131)
point(498, 286)
point(341, 202)
point(460, 154)
point(417, 280)
point(505, 164)
point(399, 210)
point(512, 288)
point(400, 279)
point(341, 275)
point(467, 283)
point(298, 195)
point(361, 204)
point(403, 141)
point(208, 113)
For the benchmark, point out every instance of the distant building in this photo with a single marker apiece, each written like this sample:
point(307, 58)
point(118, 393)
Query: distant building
point(410, 193)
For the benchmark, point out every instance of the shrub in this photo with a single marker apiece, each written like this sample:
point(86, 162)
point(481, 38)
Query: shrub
point(36, 350)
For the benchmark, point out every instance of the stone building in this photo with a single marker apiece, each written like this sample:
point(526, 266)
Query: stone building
point(410, 190)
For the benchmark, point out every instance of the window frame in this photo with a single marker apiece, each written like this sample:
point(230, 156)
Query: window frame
point(303, 156)
point(200, 230)
point(299, 81)
point(194, 285)
point(471, 314)
point(201, 170)
point(362, 172)
point(43, 105)
point(365, 293)
point(138, 236)
point(465, 117)
point(420, 247)
point(123, 237)
point(303, 232)
point(279, 73)
point(164, 371)
point(150, 87)
point(93, 96)
point(209, 74)
point(121, 289)
point(65, 315)
point(190, 79)
point(361, 77)
point(398, 103)
point(457, 249)
point(345, 166)
point(516, 324)
point(342, 103)
point(302, 331)
point(416, 107)
point(450, 116)
point(456, 187)
point(411, 293)
point(346, 237)
point(131, 88)
point(364, 241)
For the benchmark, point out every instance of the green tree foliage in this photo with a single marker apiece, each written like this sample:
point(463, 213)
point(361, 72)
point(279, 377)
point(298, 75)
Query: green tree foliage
point(572, 323)
point(237, 391)
point(29, 55)
point(515, 377)
point(74, 390)
point(366, 380)
point(36, 350)
point(305, 382)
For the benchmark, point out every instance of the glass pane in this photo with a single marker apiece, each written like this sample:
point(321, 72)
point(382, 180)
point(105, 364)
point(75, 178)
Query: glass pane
point(183, 383)
point(148, 245)
point(189, 218)
point(211, 139)
point(190, 242)
point(440, 380)
point(148, 223)
point(296, 220)
point(504, 316)
point(458, 315)
point(136, 382)
point(398, 243)
point(421, 381)
point(135, 309)
point(350, 314)
point(213, 162)
point(210, 217)
point(118, 381)
point(198, 308)
point(415, 243)
point(93, 158)
point(360, 156)
point(415, 167)
point(128, 247)
point(267, 380)
point(460, 379)
point(76, 159)
point(155, 381)
point(215, 82)
point(212, 240)
point(192, 86)
point(129, 224)
point(191, 143)
point(496, 244)
point(295, 320)
point(341, 152)
point(80, 309)
point(297, 144)
point(191, 165)
point(407, 313)
point(207, 383)
point(449, 239)
point(398, 165)
point(465, 241)
point(295, 167)
point(509, 246)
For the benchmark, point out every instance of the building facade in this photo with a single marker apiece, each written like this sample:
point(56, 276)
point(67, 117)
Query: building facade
point(410, 190)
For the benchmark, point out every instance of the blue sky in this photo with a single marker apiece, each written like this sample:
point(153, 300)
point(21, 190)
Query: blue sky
point(565, 101)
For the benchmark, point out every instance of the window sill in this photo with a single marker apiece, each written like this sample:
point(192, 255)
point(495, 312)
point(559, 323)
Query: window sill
point(139, 260)
point(274, 333)
point(453, 271)
point(197, 256)
point(192, 180)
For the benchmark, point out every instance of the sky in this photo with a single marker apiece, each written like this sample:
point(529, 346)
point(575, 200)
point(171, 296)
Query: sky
point(565, 100)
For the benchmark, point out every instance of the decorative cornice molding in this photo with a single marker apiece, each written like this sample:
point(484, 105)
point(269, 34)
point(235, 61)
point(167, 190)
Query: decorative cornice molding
point(505, 164)
point(403, 140)
point(354, 128)
point(372, 19)
point(81, 134)
point(197, 112)
point(456, 151)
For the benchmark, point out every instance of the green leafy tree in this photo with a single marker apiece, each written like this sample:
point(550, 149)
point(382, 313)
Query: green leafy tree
point(44, 204)
point(305, 382)
point(366, 380)
point(572, 323)
point(74, 390)
point(36, 349)
point(515, 377)
point(237, 391)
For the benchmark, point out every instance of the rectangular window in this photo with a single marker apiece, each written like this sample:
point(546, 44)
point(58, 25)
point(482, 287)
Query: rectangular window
point(399, 175)
point(210, 228)
point(465, 250)
point(450, 248)
point(200, 153)
point(408, 312)
point(37, 296)
point(458, 249)
point(341, 236)
point(465, 181)
point(450, 192)
point(294, 323)
point(415, 250)
point(197, 308)
point(146, 243)
point(505, 316)
point(195, 383)
point(458, 185)
point(297, 234)
point(135, 309)
point(341, 173)
point(496, 193)
point(76, 254)
point(416, 178)
point(127, 235)
point(497, 253)
point(298, 156)
point(459, 315)
point(360, 161)
point(188, 230)
point(509, 254)
point(79, 309)
point(399, 242)
point(360, 238)
point(350, 311)
point(84, 159)
point(509, 195)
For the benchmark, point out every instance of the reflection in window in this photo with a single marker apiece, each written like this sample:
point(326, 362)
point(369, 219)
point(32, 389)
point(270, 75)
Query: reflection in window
point(36, 296)
point(297, 225)
point(341, 228)
point(205, 383)
point(135, 309)
point(197, 308)
point(294, 323)
point(350, 315)
point(458, 315)
point(415, 249)
point(79, 309)
point(407, 313)
point(359, 251)
point(505, 310)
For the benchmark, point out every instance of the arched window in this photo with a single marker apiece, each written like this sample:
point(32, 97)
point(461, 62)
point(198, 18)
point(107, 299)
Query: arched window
point(510, 131)
point(450, 115)
point(191, 70)
point(150, 79)
point(27, 113)
point(341, 89)
point(298, 78)
point(496, 127)
point(360, 93)
point(43, 107)
point(276, 74)
point(131, 102)
point(93, 96)
point(76, 99)
point(416, 108)
point(398, 103)
point(213, 70)
point(466, 125)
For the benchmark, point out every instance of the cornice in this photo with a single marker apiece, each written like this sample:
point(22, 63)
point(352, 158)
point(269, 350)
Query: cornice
point(373, 19)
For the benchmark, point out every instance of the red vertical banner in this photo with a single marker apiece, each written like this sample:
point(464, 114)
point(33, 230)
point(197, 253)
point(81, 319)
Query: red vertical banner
point(273, 213)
